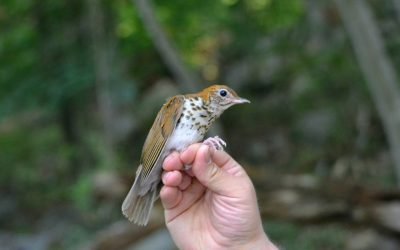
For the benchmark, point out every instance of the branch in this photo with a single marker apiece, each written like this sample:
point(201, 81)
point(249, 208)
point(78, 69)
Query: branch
point(122, 234)
point(186, 80)
point(396, 4)
point(378, 70)
point(101, 51)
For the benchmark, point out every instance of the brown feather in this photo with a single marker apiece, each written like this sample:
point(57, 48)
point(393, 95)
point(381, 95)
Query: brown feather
point(161, 130)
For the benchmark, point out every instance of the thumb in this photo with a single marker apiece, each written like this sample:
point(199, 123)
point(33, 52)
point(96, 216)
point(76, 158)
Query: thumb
point(212, 176)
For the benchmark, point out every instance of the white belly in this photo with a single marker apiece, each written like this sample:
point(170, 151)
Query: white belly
point(182, 137)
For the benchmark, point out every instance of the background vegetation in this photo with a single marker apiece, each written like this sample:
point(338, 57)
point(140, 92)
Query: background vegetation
point(81, 82)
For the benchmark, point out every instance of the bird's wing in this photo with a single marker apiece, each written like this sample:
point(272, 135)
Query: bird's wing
point(159, 134)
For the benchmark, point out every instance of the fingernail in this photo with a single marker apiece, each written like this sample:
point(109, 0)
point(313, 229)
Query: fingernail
point(208, 156)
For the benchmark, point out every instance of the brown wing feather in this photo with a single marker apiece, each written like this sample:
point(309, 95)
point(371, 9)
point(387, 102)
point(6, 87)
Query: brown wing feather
point(161, 130)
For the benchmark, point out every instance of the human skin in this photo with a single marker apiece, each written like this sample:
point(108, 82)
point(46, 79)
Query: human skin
point(212, 205)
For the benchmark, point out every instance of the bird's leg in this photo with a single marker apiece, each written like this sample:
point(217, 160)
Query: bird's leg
point(215, 142)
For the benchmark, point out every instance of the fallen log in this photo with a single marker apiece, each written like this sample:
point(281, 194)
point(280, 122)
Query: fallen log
point(309, 199)
point(123, 234)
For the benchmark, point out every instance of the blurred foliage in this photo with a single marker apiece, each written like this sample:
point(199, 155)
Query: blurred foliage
point(290, 57)
point(33, 164)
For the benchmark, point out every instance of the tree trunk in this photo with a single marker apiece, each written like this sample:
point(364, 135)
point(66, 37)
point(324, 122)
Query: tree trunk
point(102, 60)
point(396, 4)
point(187, 81)
point(66, 111)
point(378, 70)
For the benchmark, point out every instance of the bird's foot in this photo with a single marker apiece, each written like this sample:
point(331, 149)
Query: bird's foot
point(215, 142)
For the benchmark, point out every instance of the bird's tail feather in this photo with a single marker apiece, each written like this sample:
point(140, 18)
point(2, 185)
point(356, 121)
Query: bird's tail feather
point(137, 207)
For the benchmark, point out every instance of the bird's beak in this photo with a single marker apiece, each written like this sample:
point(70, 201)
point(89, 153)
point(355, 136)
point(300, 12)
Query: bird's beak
point(240, 100)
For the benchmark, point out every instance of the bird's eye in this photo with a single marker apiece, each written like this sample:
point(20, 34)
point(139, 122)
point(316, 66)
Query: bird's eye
point(223, 92)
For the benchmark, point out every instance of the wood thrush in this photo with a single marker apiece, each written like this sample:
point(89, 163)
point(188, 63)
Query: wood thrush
point(182, 121)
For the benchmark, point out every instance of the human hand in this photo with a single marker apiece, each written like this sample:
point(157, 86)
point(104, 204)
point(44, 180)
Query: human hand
point(213, 205)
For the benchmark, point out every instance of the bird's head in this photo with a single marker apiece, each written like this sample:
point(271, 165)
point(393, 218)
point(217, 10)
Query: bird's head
point(221, 97)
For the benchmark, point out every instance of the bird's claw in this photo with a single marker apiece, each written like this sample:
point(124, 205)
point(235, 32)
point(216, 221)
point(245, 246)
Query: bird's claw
point(215, 142)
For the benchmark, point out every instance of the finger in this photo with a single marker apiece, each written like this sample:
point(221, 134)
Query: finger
point(187, 157)
point(189, 172)
point(173, 162)
point(186, 181)
point(170, 197)
point(220, 157)
point(188, 198)
point(213, 177)
point(226, 162)
point(172, 178)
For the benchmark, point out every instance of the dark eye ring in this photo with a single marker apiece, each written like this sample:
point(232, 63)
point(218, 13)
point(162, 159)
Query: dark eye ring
point(223, 93)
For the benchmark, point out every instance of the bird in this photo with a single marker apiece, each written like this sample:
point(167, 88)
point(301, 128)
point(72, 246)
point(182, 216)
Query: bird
point(182, 121)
